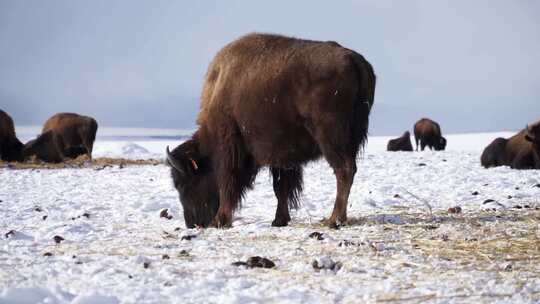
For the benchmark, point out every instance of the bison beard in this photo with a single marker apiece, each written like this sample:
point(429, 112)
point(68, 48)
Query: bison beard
point(279, 102)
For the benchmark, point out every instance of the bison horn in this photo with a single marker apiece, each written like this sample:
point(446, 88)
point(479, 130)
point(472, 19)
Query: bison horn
point(194, 164)
point(174, 162)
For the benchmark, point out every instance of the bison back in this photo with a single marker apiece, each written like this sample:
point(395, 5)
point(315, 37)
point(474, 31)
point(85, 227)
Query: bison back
point(273, 92)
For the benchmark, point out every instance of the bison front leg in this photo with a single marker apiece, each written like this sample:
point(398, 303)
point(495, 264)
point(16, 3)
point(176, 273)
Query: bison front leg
point(287, 186)
point(223, 218)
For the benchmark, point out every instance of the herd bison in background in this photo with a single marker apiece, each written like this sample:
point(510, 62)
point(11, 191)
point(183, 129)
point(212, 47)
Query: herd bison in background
point(64, 136)
point(521, 151)
point(426, 132)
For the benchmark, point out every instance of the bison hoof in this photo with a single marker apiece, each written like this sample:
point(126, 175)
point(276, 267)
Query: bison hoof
point(331, 224)
point(221, 223)
point(279, 223)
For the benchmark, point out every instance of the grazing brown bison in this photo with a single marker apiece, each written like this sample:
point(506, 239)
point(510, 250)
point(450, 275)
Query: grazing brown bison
point(273, 101)
point(64, 135)
point(521, 151)
point(402, 143)
point(428, 133)
point(10, 146)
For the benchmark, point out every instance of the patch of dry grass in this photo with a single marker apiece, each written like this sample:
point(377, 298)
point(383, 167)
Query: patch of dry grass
point(82, 161)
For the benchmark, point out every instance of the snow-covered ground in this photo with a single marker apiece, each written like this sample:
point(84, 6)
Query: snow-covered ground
point(117, 248)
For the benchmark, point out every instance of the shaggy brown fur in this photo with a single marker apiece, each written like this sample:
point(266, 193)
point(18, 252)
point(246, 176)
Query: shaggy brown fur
point(10, 146)
point(273, 101)
point(428, 133)
point(402, 143)
point(521, 151)
point(64, 135)
point(494, 154)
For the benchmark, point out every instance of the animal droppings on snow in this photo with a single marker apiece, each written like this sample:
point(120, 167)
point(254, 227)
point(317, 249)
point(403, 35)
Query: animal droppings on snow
point(47, 254)
point(9, 233)
point(454, 210)
point(347, 243)
point(474, 193)
point(165, 214)
point(316, 235)
point(326, 263)
point(183, 253)
point(188, 237)
point(260, 262)
point(58, 239)
point(165, 257)
point(488, 201)
point(255, 262)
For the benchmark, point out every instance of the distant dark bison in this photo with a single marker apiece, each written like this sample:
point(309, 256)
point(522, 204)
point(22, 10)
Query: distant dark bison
point(10, 147)
point(521, 151)
point(64, 136)
point(402, 143)
point(273, 101)
point(428, 133)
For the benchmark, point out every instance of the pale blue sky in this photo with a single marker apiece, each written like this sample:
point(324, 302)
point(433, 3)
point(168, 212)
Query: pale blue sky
point(471, 65)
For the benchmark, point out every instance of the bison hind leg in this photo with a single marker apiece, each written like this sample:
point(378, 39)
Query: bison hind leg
point(287, 184)
point(339, 150)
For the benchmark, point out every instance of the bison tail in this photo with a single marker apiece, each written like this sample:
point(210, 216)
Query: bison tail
point(90, 137)
point(364, 101)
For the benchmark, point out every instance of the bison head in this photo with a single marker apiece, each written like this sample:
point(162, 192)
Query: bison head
point(195, 181)
point(43, 147)
point(440, 144)
point(532, 134)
